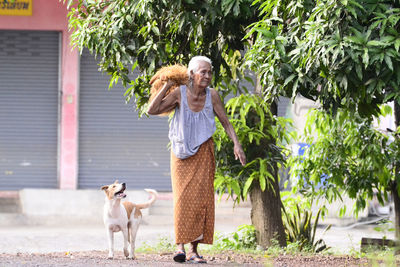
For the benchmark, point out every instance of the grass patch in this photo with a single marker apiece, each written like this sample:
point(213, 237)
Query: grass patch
point(379, 255)
point(242, 241)
point(164, 244)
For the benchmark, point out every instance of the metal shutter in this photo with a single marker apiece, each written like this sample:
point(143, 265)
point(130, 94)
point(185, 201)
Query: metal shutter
point(113, 142)
point(29, 96)
point(284, 105)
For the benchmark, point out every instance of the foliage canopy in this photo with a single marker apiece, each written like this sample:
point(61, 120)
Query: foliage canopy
point(341, 53)
point(145, 34)
point(347, 153)
point(263, 137)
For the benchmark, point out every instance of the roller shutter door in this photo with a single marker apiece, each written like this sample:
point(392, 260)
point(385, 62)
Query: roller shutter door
point(29, 96)
point(283, 106)
point(113, 142)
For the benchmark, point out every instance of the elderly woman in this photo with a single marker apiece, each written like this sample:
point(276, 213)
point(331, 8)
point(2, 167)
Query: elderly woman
point(192, 154)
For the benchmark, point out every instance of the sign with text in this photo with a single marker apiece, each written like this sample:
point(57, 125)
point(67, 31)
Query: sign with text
point(16, 7)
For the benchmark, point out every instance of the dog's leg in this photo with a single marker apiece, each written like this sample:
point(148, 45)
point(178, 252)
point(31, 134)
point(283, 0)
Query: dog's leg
point(110, 235)
point(131, 254)
point(134, 228)
point(125, 234)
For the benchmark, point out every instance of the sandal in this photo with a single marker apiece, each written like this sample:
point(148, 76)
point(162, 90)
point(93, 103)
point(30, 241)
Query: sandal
point(180, 256)
point(196, 259)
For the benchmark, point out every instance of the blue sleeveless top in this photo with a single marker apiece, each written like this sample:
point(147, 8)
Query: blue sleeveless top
point(189, 129)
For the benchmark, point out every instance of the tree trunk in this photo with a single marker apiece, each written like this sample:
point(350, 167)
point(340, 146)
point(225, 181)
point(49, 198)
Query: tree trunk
point(396, 200)
point(397, 114)
point(266, 214)
point(395, 194)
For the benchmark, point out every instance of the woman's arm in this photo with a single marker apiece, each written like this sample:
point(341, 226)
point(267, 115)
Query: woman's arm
point(161, 103)
point(219, 110)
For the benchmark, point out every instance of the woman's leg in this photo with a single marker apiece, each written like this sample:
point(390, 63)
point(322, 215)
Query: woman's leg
point(193, 254)
point(180, 247)
point(180, 255)
point(193, 248)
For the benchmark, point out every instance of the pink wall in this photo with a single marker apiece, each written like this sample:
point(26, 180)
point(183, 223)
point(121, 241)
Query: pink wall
point(51, 15)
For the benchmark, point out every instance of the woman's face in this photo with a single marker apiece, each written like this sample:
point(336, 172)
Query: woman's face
point(202, 77)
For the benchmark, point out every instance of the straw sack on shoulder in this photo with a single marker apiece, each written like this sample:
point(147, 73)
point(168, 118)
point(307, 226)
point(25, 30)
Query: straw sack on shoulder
point(177, 73)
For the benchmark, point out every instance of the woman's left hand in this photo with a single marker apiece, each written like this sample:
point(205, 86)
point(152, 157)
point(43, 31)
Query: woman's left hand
point(239, 154)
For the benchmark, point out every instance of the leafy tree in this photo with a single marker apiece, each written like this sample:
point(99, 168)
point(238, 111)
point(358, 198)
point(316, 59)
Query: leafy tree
point(343, 54)
point(146, 34)
point(263, 137)
point(347, 155)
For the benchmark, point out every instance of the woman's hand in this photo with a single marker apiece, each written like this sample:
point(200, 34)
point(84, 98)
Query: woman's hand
point(163, 103)
point(221, 114)
point(239, 154)
point(168, 83)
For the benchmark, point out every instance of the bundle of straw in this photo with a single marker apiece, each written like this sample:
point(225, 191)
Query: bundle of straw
point(177, 73)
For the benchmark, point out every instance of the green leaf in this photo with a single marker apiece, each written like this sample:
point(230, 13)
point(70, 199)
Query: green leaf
point(376, 43)
point(265, 32)
point(389, 63)
point(359, 71)
point(365, 57)
point(247, 185)
point(289, 79)
point(397, 44)
point(129, 18)
point(262, 181)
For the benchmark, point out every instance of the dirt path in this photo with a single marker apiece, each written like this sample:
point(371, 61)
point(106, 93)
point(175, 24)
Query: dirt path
point(98, 258)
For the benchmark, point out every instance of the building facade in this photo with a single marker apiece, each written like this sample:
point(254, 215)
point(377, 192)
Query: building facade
point(60, 126)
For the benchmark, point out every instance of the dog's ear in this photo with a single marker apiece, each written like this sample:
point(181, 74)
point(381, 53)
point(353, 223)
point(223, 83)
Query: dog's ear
point(116, 182)
point(104, 187)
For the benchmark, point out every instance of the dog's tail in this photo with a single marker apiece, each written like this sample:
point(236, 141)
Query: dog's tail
point(153, 198)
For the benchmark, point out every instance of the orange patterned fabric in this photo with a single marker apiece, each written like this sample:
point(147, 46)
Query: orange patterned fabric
point(193, 190)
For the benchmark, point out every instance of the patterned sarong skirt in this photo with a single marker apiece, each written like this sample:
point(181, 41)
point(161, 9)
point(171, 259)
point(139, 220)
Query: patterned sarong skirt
point(193, 193)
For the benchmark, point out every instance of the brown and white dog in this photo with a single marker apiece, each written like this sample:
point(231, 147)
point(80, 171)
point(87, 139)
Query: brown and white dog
point(125, 217)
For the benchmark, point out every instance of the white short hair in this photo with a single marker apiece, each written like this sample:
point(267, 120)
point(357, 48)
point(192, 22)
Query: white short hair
point(194, 63)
